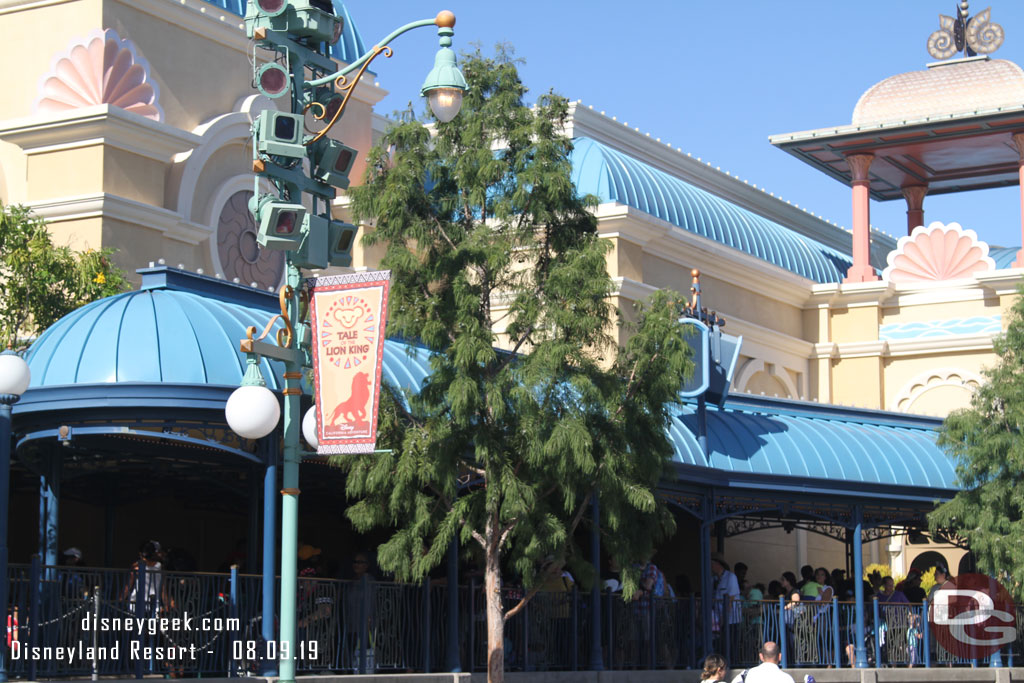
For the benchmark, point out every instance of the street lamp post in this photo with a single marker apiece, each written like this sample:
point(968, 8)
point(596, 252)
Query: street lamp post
point(14, 379)
point(289, 29)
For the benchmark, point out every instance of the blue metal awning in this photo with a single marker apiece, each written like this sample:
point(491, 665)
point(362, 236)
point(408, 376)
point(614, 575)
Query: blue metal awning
point(815, 448)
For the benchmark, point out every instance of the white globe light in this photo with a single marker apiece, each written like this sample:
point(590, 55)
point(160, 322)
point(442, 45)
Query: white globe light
point(14, 374)
point(252, 412)
point(445, 103)
point(309, 428)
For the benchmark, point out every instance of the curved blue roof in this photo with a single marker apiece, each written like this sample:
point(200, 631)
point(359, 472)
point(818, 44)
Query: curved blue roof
point(179, 328)
point(1003, 256)
point(616, 177)
point(348, 48)
point(816, 443)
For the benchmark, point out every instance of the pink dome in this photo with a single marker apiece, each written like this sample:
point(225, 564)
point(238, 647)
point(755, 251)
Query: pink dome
point(954, 87)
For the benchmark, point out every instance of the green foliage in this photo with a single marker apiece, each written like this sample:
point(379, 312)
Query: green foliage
point(489, 244)
point(43, 282)
point(988, 445)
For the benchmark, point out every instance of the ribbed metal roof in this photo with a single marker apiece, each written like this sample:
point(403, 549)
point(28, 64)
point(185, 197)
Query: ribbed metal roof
point(348, 48)
point(1003, 256)
point(179, 328)
point(616, 177)
point(830, 446)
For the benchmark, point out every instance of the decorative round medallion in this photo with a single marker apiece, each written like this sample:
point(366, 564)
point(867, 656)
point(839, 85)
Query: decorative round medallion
point(240, 255)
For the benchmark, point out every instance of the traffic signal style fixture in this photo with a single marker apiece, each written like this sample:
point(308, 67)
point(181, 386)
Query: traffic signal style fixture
point(280, 223)
point(331, 162)
point(311, 20)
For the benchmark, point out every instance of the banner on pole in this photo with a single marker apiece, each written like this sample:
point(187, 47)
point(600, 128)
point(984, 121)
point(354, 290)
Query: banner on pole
point(348, 314)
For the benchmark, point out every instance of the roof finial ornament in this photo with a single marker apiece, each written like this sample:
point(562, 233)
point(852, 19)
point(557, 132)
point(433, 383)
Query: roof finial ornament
point(973, 36)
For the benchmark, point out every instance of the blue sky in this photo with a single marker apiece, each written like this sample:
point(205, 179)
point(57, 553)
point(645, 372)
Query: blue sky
point(714, 79)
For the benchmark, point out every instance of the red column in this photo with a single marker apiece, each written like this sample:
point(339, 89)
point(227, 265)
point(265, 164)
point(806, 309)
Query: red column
point(914, 194)
point(861, 270)
point(1018, 139)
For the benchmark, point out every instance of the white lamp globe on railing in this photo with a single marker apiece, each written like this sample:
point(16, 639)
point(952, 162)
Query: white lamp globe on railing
point(445, 83)
point(14, 374)
point(309, 428)
point(252, 410)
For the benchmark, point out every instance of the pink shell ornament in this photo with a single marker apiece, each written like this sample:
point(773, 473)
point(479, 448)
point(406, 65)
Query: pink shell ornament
point(101, 69)
point(938, 252)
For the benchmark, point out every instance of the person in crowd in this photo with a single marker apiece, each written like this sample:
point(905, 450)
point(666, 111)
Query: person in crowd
point(789, 584)
point(354, 596)
point(150, 556)
point(715, 667)
point(768, 670)
point(889, 594)
point(912, 587)
point(727, 604)
point(775, 589)
point(740, 570)
point(942, 580)
point(810, 587)
point(806, 576)
point(72, 557)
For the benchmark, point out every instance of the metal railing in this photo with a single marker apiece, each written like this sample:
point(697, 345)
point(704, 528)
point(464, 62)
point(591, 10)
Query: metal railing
point(66, 622)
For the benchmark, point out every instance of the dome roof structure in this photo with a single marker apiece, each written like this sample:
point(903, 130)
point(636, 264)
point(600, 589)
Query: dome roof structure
point(975, 84)
point(178, 328)
point(349, 46)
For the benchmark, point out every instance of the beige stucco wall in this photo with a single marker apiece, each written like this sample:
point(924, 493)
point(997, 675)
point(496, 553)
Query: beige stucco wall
point(28, 51)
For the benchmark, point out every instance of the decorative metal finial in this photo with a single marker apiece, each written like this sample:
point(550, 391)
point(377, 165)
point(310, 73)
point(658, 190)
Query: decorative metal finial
point(972, 36)
point(695, 310)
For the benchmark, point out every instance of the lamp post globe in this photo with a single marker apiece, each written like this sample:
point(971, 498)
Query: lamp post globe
point(252, 412)
point(309, 428)
point(14, 374)
point(445, 103)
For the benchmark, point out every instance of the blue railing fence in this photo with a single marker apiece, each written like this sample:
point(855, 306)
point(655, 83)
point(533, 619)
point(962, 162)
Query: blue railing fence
point(119, 623)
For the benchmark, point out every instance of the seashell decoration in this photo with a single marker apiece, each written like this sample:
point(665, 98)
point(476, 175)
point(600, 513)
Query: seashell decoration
point(938, 252)
point(101, 69)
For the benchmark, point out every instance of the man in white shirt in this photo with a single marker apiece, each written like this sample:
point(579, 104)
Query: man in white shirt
point(768, 670)
point(728, 607)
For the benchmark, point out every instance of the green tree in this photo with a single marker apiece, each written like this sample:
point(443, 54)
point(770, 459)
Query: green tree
point(489, 243)
point(988, 445)
point(43, 282)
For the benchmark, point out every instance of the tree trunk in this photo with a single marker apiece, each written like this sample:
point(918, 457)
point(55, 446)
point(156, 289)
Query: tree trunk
point(495, 618)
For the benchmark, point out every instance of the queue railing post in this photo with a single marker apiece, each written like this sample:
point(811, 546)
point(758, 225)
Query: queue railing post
point(575, 639)
point(878, 634)
point(835, 633)
point(927, 654)
point(783, 650)
point(472, 624)
point(35, 596)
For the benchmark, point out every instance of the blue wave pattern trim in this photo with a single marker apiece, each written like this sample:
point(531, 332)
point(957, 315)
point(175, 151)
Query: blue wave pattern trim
point(934, 329)
point(348, 48)
point(616, 177)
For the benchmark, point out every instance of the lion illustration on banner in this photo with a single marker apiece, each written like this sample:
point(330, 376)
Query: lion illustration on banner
point(353, 410)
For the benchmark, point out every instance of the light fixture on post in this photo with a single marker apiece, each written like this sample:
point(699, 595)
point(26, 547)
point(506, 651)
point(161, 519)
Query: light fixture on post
point(14, 379)
point(445, 83)
point(305, 230)
point(252, 410)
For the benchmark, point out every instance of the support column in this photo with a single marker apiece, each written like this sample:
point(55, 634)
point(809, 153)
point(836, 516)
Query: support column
point(861, 270)
point(1018, 140)
point(6, 401)
point(596, 654)
point(914, 194)
point(706, 591)
point(269, 446)
point(860, 651)
point(49, 511)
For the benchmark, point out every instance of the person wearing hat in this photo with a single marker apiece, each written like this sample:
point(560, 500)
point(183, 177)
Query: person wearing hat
point(727, 607)
point(912, 586)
